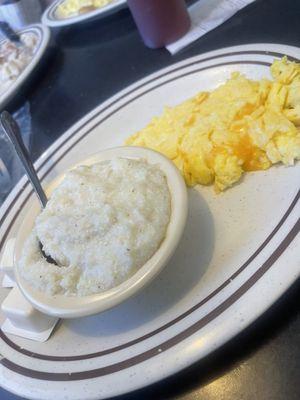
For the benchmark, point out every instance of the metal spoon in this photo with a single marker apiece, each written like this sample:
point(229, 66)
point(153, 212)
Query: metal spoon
point(12, 130)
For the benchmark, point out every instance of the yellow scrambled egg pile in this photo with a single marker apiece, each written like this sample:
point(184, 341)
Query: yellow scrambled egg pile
point(243, 125)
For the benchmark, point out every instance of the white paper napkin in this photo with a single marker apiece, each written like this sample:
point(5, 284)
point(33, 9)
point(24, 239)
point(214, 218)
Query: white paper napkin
point(7, 264)
point(205, 16)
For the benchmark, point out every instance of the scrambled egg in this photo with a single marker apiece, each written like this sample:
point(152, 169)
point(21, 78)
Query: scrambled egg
point(243, 125)
point(74, 7)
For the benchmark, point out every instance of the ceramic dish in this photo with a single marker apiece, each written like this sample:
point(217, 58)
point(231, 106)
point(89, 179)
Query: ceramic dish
point(51, 19)
point(238, 254)
point(70, 307)
point(43, 36)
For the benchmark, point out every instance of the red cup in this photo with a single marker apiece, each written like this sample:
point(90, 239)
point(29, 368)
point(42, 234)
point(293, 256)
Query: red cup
point(160, 22)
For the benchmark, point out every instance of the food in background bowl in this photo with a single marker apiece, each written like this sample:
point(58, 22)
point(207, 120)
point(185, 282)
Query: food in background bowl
point(14, 59)
point(72, 8)
point(101, 224)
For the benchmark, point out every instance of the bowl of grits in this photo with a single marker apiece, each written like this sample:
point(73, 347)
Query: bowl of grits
point(111, 224)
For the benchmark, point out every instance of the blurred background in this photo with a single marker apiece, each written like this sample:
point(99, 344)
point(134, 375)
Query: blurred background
point(18, 13)
point(22, 12)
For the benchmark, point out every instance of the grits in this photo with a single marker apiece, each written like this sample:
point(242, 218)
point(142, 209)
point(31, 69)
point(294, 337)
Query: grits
point(101, 224)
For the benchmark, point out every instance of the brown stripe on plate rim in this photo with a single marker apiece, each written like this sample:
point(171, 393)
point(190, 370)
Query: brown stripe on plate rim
point(106, 117)
point(130, 362)
point(260, 52)
point(52, 11)
point(86, 133)
point(268, 53)
point(168, 324)
point(4, 236)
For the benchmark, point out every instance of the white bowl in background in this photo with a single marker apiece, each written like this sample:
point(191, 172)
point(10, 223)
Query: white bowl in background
point(73, 306)
point(42, 33)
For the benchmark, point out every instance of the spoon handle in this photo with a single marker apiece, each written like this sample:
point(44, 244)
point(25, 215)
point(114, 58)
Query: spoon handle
point(12, 130)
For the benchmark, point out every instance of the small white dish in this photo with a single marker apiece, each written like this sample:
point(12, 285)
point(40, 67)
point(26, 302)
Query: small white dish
point(42, 33)
point(23, 320)
point(51, 19)
point(71, 307)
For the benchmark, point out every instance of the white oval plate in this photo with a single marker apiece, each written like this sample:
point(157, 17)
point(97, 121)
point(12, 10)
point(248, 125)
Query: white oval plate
point(51, 19)
point(43, 34)
point(237, 256)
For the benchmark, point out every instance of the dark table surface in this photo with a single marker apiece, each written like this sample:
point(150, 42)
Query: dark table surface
point(86, 66)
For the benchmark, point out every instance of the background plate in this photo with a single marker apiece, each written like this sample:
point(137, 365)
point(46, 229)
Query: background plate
point(43, 35)
point(50, 18)
point(237, 256)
